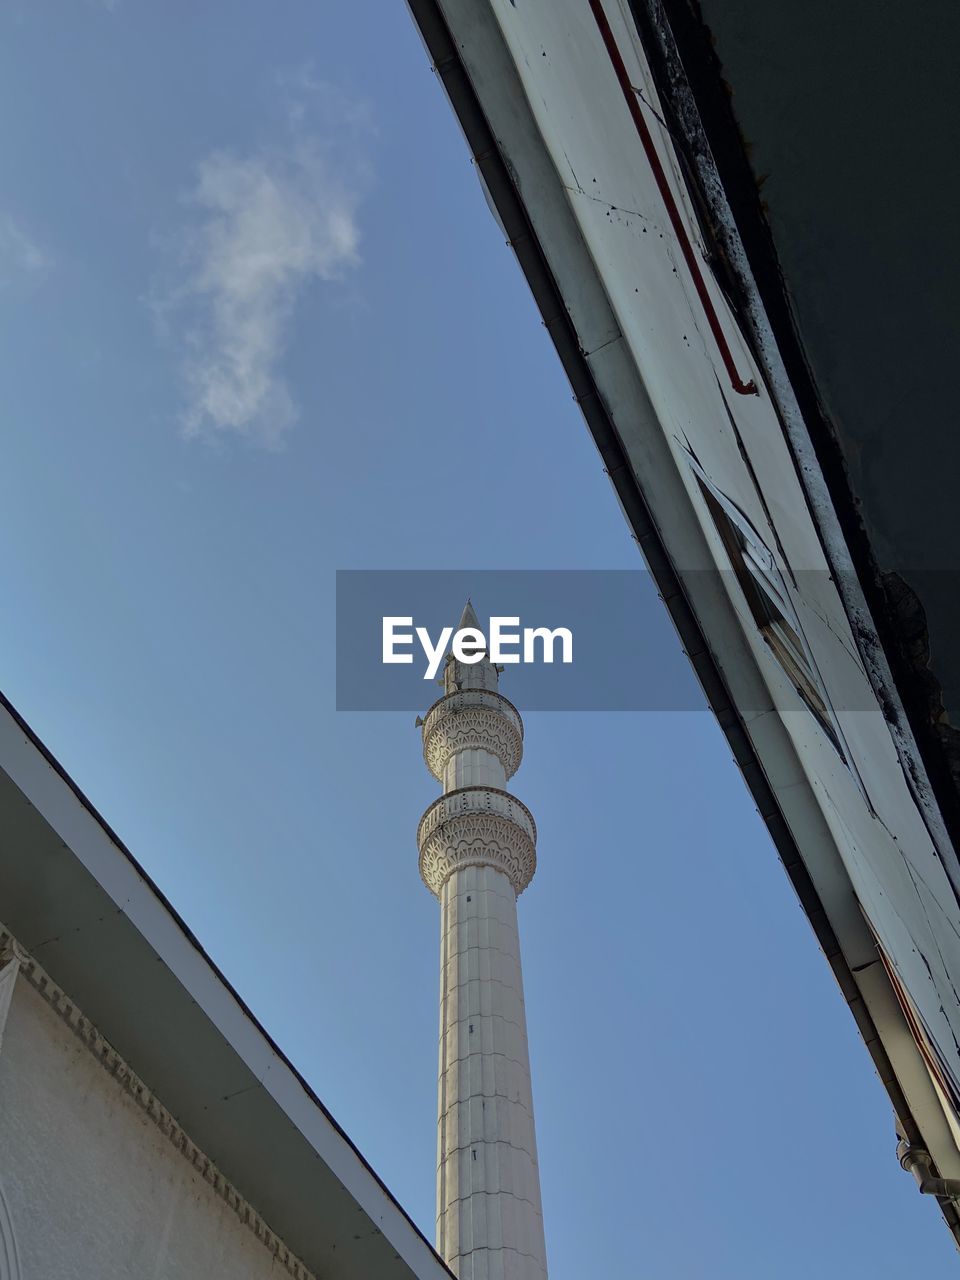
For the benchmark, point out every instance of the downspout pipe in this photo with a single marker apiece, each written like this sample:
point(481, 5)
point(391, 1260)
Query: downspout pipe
point(920, 1163)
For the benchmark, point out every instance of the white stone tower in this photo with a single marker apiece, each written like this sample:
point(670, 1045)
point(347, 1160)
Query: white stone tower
point(477, 854)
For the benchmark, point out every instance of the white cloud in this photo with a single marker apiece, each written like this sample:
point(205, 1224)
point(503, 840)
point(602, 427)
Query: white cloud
point(264, 227)
point(19, 255)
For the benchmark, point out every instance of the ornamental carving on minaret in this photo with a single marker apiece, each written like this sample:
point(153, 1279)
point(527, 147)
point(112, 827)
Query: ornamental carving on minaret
point(472, 720)
point(477, 826)
point(476, 837)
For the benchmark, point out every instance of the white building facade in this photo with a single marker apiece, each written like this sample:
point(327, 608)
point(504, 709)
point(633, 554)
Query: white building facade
point(97, 1179)
point(477, 847)
point(148, 1125)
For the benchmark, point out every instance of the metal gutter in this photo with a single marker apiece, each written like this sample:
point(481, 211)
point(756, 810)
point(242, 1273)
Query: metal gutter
point(512, 214)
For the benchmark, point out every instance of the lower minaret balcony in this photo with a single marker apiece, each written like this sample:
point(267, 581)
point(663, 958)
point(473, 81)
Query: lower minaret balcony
point(477, 826)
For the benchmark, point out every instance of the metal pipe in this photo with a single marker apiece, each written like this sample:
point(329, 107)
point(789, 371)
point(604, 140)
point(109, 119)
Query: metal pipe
point(920, 1163)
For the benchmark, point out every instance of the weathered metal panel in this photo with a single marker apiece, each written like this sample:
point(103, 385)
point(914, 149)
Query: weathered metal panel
point(669, 392)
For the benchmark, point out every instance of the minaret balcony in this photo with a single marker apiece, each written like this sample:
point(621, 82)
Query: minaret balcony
point(477, 826)
point(472, 720)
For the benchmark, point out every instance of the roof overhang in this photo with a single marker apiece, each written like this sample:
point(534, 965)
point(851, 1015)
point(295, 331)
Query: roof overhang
point(842, 215)
point(75, 899)
point(546, 122)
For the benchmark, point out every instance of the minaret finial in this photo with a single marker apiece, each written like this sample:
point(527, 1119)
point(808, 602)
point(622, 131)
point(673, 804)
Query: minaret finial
point(469, 617)
point(458, 676)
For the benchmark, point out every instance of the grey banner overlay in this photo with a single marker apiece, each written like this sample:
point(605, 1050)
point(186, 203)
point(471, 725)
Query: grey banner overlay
point(625, 657)
point(626, 654)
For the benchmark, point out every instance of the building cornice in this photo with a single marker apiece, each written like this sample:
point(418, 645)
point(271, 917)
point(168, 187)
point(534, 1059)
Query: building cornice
point(111, 1061)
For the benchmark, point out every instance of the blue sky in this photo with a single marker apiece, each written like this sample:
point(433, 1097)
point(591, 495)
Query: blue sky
point(258, 325)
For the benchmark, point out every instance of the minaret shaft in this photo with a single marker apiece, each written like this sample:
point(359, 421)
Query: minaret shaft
point(477, 853)
point(489, 1221)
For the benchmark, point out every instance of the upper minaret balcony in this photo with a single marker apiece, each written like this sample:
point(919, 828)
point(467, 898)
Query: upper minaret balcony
point(472, 736)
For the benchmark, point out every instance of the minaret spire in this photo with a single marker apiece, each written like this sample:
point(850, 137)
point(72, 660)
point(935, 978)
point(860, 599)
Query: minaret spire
point(469, 618)
point(477, 854)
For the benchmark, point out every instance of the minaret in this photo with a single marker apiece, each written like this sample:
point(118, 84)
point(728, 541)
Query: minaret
point(477, 854)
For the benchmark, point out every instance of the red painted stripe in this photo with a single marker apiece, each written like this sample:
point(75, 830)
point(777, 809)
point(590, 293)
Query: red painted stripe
point(676, 221)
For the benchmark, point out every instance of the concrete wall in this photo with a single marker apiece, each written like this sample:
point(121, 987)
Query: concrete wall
point(94, 1187)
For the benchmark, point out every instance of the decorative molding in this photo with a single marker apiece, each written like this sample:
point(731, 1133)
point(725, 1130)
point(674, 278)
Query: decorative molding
point(478, 842)
point(9, 1257)
point(483, 698)
point(472, 720)
point(477, 826)
point(131, 1083)
point(8, 980)
point(476, 800)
